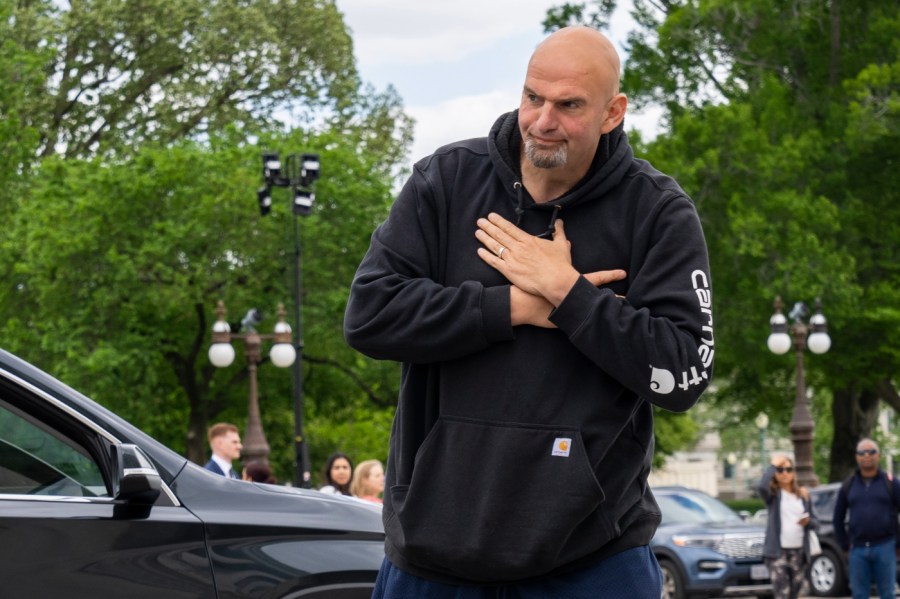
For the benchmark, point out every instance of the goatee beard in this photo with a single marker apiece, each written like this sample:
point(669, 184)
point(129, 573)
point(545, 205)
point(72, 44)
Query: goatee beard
point(544, 158)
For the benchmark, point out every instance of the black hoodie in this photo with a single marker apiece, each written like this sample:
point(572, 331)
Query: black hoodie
point(518, 453)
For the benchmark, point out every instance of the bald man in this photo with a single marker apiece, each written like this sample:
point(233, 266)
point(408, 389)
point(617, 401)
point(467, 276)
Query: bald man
point(544, 289)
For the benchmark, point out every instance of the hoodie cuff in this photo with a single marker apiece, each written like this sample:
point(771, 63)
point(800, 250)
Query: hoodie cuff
point(495, 314)
point(577, 306)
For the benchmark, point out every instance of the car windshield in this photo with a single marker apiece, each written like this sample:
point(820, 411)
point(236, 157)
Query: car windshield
point(694, 508)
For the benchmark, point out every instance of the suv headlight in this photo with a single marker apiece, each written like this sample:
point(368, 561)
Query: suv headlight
point(708, 541)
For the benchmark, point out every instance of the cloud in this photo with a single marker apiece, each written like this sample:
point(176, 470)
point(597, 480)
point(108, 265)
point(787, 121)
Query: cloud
point(458, 118)
point(413, 32)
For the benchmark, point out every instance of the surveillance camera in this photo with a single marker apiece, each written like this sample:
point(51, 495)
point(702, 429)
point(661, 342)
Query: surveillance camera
point(251, 319)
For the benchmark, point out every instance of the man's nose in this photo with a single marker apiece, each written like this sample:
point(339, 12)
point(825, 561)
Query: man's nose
point(547, 119)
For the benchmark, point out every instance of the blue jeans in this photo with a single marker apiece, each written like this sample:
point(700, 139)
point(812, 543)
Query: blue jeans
point(873, 564)
point(633, 573)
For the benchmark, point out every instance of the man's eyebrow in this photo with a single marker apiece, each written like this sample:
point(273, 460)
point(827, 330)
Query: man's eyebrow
point(576, 99)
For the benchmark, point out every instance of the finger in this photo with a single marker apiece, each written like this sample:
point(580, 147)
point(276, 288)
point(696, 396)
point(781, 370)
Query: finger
point(491, 259)
point(559, 232)
point(490, 243)
point(492, 236)
point(512, 231)
point(602, 277)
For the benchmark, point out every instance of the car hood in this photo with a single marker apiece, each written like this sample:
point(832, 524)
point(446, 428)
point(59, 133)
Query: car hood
point(217, 500)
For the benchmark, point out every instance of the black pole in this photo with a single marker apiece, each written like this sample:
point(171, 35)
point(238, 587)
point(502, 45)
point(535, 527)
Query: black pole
point(301, 452)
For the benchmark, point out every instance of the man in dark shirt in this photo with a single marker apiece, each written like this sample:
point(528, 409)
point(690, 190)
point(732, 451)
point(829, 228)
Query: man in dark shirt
point(870, 533)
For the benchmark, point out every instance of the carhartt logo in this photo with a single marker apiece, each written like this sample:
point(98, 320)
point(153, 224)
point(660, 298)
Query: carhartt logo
point(561, 447)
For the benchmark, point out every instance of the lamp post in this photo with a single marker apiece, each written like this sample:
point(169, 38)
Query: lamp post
point(762, 422)
point(301, 172)
point(221, 354)
point(780, 342)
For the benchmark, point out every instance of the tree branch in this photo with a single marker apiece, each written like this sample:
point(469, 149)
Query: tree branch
point(373, 397)
point(887, 392)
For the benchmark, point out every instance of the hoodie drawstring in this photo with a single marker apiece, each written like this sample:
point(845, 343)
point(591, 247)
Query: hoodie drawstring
point(551, 228)
point(520, 211)
point(520, 201)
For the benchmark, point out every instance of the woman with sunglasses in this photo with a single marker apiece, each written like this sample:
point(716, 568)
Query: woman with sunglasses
point(786, 548)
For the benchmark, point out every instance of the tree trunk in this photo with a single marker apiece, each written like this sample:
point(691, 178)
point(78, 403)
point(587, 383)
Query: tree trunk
point(196, 433)
point(855, 414)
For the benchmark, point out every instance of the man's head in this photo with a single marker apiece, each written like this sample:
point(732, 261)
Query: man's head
point(570, 98)
point(867, 457)
point(225, 441)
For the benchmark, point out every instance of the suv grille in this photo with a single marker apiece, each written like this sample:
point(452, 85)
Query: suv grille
point(742, 545)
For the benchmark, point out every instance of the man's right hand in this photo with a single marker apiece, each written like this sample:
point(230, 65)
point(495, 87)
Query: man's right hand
point(526, 308)
point(602, 277)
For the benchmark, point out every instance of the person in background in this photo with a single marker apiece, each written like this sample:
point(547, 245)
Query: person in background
point(786, 548)
point(870, 535)
point(225, 443)
point(258, 472)
point(534, 351)
point(368, 481)
point(337, 474)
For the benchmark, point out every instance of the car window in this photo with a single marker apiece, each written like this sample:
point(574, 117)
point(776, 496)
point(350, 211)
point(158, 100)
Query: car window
point(823, 503)
point(693, 508)
point(38, 460)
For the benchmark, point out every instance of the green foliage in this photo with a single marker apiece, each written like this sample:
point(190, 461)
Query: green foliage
point(121, 76)
point(672, 432)
point(579, 13)
point(21, 71)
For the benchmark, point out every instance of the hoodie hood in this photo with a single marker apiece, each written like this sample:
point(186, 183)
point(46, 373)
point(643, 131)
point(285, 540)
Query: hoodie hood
point(611, 162)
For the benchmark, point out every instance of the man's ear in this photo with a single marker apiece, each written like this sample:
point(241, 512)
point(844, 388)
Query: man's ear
point(615, 112)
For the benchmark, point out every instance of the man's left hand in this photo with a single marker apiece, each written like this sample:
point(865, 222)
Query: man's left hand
point(538, 266)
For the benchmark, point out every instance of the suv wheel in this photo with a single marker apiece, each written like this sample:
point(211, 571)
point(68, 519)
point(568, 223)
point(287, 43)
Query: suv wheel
point(672, 583)
point(826, 575)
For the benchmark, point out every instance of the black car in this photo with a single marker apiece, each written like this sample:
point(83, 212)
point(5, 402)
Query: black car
point(828, 571)
point(92, 507)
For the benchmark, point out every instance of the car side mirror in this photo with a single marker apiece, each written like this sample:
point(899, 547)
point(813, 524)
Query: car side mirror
point(137, 480)
point(744, 514)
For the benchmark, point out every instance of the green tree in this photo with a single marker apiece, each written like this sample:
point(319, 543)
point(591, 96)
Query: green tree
point(21, 71)
point(783, 126)
point(119, 76)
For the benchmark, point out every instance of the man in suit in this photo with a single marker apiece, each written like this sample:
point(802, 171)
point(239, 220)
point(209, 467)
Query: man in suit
point(225, 443)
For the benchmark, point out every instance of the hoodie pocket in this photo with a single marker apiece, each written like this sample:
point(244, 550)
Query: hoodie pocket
point(496, 502)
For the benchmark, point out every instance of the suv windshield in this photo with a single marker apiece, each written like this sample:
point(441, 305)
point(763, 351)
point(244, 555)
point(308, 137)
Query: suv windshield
point(694, 508)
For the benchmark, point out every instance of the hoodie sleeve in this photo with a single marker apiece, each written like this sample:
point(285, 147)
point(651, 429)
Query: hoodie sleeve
point(398, 308)
point(763, 489)
point(658, 340)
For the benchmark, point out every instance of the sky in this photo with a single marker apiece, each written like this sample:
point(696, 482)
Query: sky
point(456, 64)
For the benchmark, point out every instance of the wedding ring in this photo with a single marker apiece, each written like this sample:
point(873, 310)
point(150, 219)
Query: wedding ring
point(500, 253)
